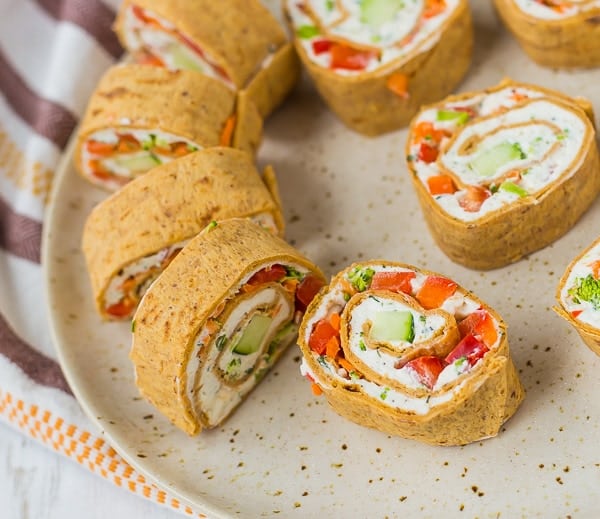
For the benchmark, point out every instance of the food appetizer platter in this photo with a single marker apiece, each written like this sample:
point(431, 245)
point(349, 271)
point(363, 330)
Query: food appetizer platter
point(504, 388)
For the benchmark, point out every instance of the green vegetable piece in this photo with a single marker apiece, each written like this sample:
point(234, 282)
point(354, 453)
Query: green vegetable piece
point(393, 325)
point(587, 289)
point(376, 12)
point(139, 162)
point(183, 59)
point(329, 5)
point(291, 272)
point(283, 336)
point(149, 143)
point(253, 335)
point(307, 31)
point(489, 161)
point(361, 278)
point(451, 115)
point(511, 187)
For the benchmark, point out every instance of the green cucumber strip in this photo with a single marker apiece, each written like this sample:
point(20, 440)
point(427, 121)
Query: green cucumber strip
point(511, 187)
point(253, 335)
point(139, 162)
point(307, 31)
point(393, 325)
point(376, 12)
point(490, 160)
point(182, 59)
point(451, 115)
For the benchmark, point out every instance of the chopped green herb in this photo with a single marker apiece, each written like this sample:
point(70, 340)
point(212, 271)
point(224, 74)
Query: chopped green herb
point(361, 278)
point(291, 272)
point(220, 342)
point(511, 187)
point(233, 364)
point(423, 319)
point(457, 116)
point(329, 5)
point(493, 188)
point(410, 158)
point(307, 31)
point(361, 345)
point(384, 394)
point(354, 375)
point(191, 148)
point(586, 289)
point(346, 296)
point(321, 360)
point(150, 142)
point(211, 225)
point(133, 326)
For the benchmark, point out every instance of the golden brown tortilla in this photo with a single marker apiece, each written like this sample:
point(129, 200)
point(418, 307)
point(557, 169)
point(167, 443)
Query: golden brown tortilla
point(363, 101)
point(205, 274)
point(488, 397)
point(520, 228)
point(172, 203)
point(571, 42)
point(182, 103)
point(239, 35)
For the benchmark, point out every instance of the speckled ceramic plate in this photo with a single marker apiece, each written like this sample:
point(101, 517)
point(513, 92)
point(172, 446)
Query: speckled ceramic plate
point(284, 453)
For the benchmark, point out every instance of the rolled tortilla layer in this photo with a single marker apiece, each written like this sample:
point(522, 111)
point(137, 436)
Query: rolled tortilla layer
point(238, 42)
point(374, 62)
point(140, 117)
point(578, 295)
point(130, 237)
point(503, 172)
point(411, 353)
point(555, 33)
point(217, 319)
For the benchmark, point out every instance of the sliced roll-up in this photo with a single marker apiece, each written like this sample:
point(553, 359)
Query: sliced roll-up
point(140, 117)
point(578, 295)
point(238, 42)
point(555, 33)
point(410, 353)
point(503, 172)
point(130, 237)
point(375, 62)
point(217, 318)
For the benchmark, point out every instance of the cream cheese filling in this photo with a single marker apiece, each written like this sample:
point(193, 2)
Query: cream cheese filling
point(218, 378)
point(395, 39)
point(459, 304)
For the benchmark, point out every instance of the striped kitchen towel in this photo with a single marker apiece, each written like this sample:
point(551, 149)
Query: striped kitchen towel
point(52, 53)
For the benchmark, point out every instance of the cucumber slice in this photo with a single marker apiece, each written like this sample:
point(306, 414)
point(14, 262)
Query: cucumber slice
point(488, 162)
point(376, 12)
point(253, 335)
point(139, 162)
point(394, 325)
point(283, 336)
point(511, 187)
point(451, 115)
point(182, 59)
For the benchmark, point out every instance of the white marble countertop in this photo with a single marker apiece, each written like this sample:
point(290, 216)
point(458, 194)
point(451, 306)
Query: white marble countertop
point(36, 483)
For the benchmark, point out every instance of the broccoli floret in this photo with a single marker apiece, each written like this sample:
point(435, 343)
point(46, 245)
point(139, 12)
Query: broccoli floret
point(361, 278)
point(586, 289)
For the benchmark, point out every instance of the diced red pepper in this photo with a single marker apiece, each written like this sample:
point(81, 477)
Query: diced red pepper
point(435, 291)
point(398, 84)
point(128, 143)
point(141, 14)
point(427, 369)
point(321, 46)
point(596, 269)
point(576, 313)
point(320, 336)
point(307, 290)
point(441, 185)
point(426, 131)
point(433, 8)
point(480, 324)
point(393, 281)
point(473, 198)
point(470, 348)
point(121, 309)
point(267, 275)
point(99, 147)
point(428, 153)
point(348, 58)
point(148, 58)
